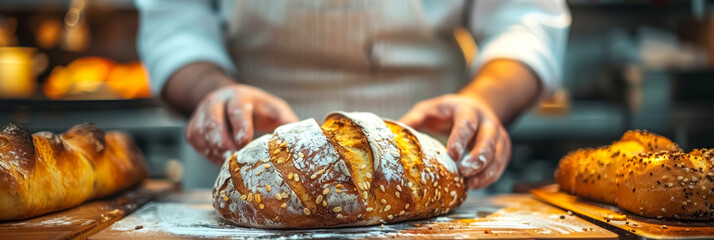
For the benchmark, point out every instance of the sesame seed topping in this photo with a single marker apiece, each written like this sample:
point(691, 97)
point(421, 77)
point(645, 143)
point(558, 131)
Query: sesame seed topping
point(284, 205)
point(381, 187)
point(337, 209)
point(277, 196)
point(339, 186)
point(386, 208)
point(324, 192)
point(257, 198)
point(225, 198)
point(276, 151)
point(435, 183)
point(297, 178)
point(290, 176)
point(402, 213)
point(364, 195)
point(406, 206)
point(261, 206)
point(369, 209)
point(363, 166)
point(324, 203)
point(243, 197)
point(306, 211)
point(321, 171)
point(313, 176)
point(423, 182)
point(318, 199)
point(664, 210)
point(301, 155)
point(396, 194)
point(250, 197)
point(399, 188)
point(339, 216)
point(684, 203)
point(383, 201)
point(670, 184)
point(390, 217)
point(266, 160)
point(284, 194)
point(267, 187)
point(369, 175)
point(283, 144)
point(338, 190)
point(679, 178)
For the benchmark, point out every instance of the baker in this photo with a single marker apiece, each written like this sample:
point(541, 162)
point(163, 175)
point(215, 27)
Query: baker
point(243, 67)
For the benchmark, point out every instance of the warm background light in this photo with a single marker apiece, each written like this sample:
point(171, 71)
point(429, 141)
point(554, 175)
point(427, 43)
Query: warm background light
point(97, 78)
point(17, 72)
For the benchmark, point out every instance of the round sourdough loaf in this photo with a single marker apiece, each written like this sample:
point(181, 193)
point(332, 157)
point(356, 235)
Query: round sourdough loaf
point(356, 169)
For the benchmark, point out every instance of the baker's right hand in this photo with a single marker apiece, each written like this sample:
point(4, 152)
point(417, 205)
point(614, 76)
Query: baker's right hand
point(225, 119)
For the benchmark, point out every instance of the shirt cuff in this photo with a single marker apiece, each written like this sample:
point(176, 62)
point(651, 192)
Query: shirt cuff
point(177, 52)
point(522, 46)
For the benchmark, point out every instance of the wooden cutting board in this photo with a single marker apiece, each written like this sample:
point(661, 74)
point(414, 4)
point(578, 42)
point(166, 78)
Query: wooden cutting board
point(82, 221)
point(513, 216)
point(625, 222)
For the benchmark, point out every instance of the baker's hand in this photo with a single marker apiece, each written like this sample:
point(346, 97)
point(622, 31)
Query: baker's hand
point(225, 119)
point(477, 140)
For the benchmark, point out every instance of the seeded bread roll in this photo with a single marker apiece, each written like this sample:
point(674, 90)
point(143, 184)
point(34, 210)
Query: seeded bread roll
point(669, 184)
point(355, 170)
point(643, 173)
point(590, 172)
point(44, 172)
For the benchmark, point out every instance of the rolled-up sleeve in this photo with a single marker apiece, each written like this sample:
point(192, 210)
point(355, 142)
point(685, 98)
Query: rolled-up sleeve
point(532, 32)
point(173, 33)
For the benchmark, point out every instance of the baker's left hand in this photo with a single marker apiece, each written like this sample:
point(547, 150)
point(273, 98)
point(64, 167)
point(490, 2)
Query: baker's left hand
point(471, 123)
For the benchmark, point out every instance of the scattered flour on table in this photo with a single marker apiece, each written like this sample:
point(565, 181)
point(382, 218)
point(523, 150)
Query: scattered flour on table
point(202, 221)
point(53, 222)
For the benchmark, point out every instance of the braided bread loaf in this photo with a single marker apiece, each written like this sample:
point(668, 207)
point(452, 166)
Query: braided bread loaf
point(44, 172)
point(643, 173)
point(355, 170)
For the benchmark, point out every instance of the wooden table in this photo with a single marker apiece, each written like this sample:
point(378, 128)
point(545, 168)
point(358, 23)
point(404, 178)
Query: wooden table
point(513, 216)
point(82, 221)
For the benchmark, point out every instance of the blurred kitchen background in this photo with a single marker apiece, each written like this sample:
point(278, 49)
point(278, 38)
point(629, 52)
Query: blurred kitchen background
point(646, 64)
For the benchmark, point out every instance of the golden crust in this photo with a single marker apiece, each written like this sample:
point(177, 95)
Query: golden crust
point(643, 173)
point(668, 184)
point(354, 170)
point(69, 168)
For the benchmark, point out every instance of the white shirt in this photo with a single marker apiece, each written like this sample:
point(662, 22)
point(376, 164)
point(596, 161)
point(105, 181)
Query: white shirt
point(361, 55)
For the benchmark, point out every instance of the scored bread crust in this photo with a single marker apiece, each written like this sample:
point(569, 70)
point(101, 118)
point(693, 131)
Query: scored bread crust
point(45, 172)
point(355, 170)
point(643, 173)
